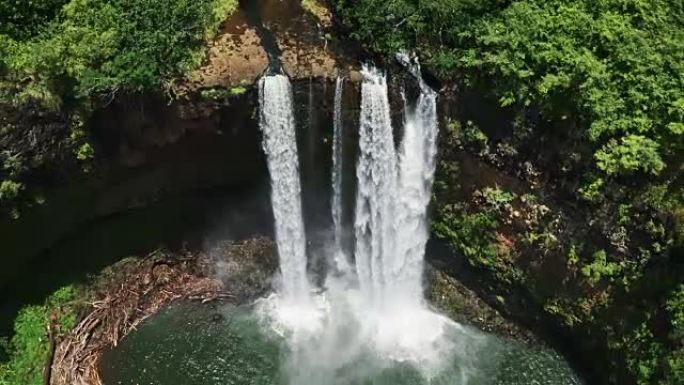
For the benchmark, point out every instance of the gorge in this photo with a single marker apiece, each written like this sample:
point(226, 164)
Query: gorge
point(310, 192)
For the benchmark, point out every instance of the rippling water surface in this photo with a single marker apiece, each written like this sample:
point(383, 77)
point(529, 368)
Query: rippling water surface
point(194, 344)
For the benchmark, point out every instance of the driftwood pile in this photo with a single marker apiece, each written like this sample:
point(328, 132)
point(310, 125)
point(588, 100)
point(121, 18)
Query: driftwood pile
point(123, 298)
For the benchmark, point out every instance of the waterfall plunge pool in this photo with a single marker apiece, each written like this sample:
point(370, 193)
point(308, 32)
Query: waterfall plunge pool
point(220, 344)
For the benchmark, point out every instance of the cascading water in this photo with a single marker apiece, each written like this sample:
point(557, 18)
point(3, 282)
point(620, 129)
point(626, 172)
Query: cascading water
point(376, 315)
point(340, 259)
point(394, 192)
point(391, 226)
point(376, 175)
point(292, 310)
point(278, 126)
point(416, 174)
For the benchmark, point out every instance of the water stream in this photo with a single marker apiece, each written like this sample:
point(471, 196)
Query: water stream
point(376, 174)
point(416, 174)
point(278, 125)
point(340, 259)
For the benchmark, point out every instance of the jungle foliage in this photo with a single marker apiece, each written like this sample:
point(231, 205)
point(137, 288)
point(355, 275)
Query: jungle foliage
point(620, 290)
point(67, 57)
point(29, 348)
point(57, 51)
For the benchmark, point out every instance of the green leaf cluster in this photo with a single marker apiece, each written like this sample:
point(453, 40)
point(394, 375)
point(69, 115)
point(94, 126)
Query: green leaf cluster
point(469, 135)
point(675, 308)
point(648, 358)
point(600, 267)
point(24, 19)
point(469, 233)
point(10, 186)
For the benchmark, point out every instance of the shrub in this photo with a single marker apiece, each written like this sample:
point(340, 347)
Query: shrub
point(469, 136)
point(470, 234)
point(9, 190)
point(29, 347)
point(24, 19)
point(675, 308)
point(215, 94)
point(495, 198)
point(634, 152)
point(600, 268)
point(238, 90)
point(85, 152)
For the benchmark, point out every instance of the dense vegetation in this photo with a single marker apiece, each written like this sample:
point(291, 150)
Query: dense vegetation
point(595, 94)
point(83, 48)
point(615, 68)
point(29, 349)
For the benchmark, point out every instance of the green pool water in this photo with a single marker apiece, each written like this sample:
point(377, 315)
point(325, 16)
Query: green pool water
point(192, 344)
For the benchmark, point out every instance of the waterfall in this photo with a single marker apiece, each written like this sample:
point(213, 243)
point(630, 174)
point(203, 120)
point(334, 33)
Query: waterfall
point(390, 224)
point(377, 177)
point(340, 258)
point(278, 126)
point(416, 174)
point(374, 310)
point(391, 230)
point(394, 191)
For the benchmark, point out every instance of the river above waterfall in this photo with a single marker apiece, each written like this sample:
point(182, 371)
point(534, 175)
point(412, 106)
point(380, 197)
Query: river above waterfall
point(195, 344)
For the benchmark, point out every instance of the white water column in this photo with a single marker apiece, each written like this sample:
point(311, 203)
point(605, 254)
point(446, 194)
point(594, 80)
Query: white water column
point(278, 126)
point(376, 174)
point(393, 192)
point(416, 174)
point(340, 259)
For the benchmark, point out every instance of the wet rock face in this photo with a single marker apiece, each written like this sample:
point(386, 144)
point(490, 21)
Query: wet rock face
point(462, 304)
point(136, 131)
point(147, 151)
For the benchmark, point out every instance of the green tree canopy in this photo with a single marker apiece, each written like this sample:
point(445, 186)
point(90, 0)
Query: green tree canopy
point(102, 46)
